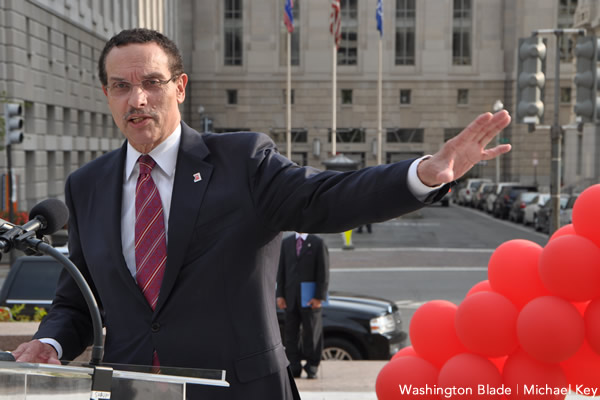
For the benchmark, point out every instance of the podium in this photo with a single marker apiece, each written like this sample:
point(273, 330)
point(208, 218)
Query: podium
point(26, 381)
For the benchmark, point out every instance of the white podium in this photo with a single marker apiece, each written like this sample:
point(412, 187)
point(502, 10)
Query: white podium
point(25, 381)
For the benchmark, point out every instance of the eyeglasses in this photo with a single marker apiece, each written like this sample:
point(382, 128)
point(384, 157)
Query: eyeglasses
point(150, 86)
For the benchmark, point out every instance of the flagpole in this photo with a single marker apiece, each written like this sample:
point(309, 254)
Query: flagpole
point(334, 100)
point(379, 104)
point(288, 97)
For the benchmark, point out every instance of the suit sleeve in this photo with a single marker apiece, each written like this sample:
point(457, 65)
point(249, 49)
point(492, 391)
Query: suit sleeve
point(280, 292)
point(288, 197)
point(68, 320)
point(322, 284)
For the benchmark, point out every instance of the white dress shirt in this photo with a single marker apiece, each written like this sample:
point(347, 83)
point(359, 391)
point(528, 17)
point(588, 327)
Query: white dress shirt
point(163, 174)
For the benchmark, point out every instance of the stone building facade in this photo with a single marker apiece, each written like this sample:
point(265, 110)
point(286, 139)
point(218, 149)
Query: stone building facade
point(444, 62)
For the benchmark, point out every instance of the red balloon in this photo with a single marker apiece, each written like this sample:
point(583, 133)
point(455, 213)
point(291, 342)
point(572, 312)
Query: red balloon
point(570, 268)
point(471, 377)
point(404, 377)
point(405, 351)
point(586, 214)
point(522, 374)
point(550, 329)
point(498, 362)
point(486, 323)
point(432, 332)
point(591, 318)
point(583, 369)
point(513, 271)
point(563, 231)
point(483, 286)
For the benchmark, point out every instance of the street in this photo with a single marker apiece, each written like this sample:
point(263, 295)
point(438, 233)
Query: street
point(436, 253)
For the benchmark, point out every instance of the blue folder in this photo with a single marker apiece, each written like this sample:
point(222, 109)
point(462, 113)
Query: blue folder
point(307, 292)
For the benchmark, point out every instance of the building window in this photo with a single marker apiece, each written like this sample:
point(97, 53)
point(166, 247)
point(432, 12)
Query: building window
point(348, 49)
point(232, 96)
point(292, 96)
point(462, 97)
point(233, 32)
point(295, 39)
point(566, 12)
point(298, 135)
point(405, 32)
point(349, 135)
point(405, 135)
point(449, 133)
point(346, 96)
point(461, 32)
point(405, 96)
point(565, 95)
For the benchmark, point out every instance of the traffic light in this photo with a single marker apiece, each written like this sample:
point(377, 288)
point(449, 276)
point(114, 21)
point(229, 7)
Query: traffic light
point(531, 79)
point(13, 123)
point(586, 79)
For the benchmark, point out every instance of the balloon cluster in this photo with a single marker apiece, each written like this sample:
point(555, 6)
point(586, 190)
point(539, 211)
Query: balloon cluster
point(531, 331)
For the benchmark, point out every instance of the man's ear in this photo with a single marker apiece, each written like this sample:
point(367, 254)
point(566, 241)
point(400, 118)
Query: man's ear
point(181, 83)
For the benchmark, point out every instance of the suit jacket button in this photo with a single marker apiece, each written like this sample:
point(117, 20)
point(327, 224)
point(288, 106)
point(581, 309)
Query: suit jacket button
point(155, 327)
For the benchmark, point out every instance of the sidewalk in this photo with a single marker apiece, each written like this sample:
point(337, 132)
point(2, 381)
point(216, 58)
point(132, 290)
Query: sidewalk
point(342, 380)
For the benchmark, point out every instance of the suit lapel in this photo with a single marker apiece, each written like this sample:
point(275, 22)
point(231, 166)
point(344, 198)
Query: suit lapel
point(192, 175)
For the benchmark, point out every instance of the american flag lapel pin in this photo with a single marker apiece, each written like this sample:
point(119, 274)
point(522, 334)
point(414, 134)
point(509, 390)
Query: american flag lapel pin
point(197, 177)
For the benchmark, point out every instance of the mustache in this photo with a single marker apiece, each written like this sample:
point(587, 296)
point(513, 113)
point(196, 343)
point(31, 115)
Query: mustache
point(135, 112)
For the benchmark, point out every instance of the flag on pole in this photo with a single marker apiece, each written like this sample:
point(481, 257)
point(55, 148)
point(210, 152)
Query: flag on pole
point(336, 21)
point(288, 15)
point(379, 17)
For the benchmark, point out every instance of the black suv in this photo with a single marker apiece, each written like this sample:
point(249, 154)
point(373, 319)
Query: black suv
point(355, 327)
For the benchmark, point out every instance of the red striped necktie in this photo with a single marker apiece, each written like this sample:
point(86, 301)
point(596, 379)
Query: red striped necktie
point(150, 240)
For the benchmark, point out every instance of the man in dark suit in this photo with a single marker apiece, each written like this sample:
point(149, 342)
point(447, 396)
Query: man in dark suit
point(304, 260)
point(208, 211)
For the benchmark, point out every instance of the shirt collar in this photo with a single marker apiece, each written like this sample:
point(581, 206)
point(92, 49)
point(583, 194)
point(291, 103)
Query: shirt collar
point(165, 155)
point(302, 235)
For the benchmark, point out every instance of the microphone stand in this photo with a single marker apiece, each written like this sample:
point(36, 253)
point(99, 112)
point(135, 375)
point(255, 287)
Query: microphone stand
point(28, 241)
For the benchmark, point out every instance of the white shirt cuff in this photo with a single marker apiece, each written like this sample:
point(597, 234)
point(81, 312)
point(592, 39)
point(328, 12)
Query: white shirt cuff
point(54, 344)
point(418, 188)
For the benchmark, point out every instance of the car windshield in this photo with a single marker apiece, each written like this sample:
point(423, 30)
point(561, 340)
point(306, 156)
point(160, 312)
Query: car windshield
point(528, 196)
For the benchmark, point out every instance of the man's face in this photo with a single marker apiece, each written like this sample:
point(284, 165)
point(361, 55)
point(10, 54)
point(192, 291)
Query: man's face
point(145, 116)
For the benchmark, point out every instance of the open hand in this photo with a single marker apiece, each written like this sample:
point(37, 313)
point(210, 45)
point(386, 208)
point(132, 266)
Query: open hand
point(462, 152)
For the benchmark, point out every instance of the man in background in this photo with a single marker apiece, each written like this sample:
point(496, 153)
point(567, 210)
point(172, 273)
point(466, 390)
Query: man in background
point(302, 282)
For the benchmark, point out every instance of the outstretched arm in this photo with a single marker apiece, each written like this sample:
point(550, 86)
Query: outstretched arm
point(462, 152)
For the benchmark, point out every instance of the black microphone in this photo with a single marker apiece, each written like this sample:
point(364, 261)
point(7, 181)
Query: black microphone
point(46, 218)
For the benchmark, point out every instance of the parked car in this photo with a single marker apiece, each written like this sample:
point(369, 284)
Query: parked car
point(355, 327)
point(491, 197)
point(566, 215)
point(480, 195)
point(517, 210)
point(531, 209)
point(542, 222)
point(506, 198)
point(465, 194)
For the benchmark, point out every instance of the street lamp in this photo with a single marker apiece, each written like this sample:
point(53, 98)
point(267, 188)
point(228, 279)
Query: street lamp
point(497, 107)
